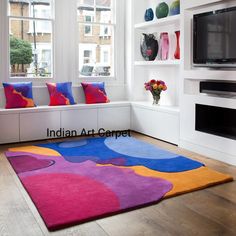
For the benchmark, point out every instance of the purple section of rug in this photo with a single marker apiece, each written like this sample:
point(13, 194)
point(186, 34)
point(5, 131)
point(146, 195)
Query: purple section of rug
point(123, 182)
point(28, 163)
point(113, 161)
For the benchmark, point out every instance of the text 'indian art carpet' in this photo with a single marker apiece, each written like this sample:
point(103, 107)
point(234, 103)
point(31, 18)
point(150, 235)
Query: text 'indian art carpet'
point(73, 182)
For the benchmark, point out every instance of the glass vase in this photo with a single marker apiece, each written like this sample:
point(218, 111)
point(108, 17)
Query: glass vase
point(164, 46)
point(149, 47)
point(156, 99)
point(177, 51)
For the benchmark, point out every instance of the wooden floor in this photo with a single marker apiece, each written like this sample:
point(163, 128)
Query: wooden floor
point(207, 212)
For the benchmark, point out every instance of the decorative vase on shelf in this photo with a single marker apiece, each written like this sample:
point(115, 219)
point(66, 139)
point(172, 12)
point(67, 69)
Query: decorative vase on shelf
point(149, 47)
point(149, 15)
point(175, 8)
point(156, 98)
point(177, 51)
point(164, 46)
point(162, 10)
point(155, 87)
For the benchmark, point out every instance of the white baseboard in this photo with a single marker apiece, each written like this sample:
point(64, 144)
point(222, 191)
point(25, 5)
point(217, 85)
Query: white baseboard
point(211, 153)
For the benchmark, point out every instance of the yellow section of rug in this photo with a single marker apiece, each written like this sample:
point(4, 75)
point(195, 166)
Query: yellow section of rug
point(36, 150)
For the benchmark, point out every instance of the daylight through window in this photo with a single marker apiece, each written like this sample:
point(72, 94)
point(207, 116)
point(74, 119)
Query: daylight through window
point(96, 27)
point(30, 23)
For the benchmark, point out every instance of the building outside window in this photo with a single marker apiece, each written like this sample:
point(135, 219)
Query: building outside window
point(30, 35)
point(88, 28)
point(97, 37)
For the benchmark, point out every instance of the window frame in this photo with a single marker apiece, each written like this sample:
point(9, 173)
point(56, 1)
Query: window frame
point(115, 23)
point(65, 49)
point(51, 20)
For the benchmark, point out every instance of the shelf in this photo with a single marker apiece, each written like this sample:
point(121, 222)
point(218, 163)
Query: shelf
point(208, 74)
point(148, 105)
point(157, 63)
point(159, 22)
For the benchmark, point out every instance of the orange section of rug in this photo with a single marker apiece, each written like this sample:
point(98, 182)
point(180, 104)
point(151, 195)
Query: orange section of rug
point(36, 150)
point(187, 181)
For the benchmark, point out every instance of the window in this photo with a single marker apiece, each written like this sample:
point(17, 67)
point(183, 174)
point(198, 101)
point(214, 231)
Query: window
point(96, 52)
point(30, 36)
point(87, 56)
point(105, 56)
point(88, 27)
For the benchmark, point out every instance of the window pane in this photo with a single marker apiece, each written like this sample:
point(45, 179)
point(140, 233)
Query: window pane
point(31, 8)
point(100, 10)
point(96, 53)
point(104, 11)
point(85, 11)
point(30, 50)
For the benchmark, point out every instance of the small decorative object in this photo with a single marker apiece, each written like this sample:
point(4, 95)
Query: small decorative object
point(149, 47)
point(177, 51)
point(95, 92)
point(18, 95)
point(164, 46)
point(172, 45)
point(60, 94)
point(155, 87)
point(149, 15)
point(175, 8)
point(162, 10)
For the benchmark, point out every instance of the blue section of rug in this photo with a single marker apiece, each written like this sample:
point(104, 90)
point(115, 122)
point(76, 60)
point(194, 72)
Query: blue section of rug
point(123, 152)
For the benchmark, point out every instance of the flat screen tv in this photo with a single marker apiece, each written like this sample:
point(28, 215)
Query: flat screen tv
point(214, 38)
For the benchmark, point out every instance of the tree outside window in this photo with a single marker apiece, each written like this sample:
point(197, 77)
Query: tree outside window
point(30, 24)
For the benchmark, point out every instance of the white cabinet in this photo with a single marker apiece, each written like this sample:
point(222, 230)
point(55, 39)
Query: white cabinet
point(20, 125)
point(35, 126)
point(79, 119)
point(115, 118)
point(9, 128)
point(157, 122)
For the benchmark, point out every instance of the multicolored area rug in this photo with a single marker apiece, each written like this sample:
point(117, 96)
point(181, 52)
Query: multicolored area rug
point(73, 182)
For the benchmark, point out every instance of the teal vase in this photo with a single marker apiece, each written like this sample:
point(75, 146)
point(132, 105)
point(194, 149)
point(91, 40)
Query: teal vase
point(162, 10)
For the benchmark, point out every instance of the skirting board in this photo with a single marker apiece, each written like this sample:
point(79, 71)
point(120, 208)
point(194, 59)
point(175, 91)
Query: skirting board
point(211, 153)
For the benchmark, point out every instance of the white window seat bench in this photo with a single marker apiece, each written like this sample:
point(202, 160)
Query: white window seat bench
point(28, 124)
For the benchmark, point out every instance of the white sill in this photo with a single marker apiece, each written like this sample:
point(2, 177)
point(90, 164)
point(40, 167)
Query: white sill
point(31, 78)
point(97, 78)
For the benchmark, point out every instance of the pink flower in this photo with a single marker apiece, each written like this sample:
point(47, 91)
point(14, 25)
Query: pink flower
point(155, 86)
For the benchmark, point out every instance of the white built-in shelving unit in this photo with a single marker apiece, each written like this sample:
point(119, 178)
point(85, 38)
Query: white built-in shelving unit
point(158, 63)
point(142, 71)
point(158, 22)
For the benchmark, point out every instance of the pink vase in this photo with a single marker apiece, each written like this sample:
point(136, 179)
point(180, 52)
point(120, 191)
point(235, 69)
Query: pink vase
point(164, 46)
point(177, 51)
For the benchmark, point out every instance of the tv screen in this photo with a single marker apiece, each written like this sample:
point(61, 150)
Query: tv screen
point(214, 40)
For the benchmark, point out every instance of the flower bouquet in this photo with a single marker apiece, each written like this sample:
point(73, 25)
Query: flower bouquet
point(155, 87)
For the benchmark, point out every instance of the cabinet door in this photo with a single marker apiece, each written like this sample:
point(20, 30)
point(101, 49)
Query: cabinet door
point(9, 128)
point(36, 126)
point(114, 118)
point(161, 125)
point(79, 119)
